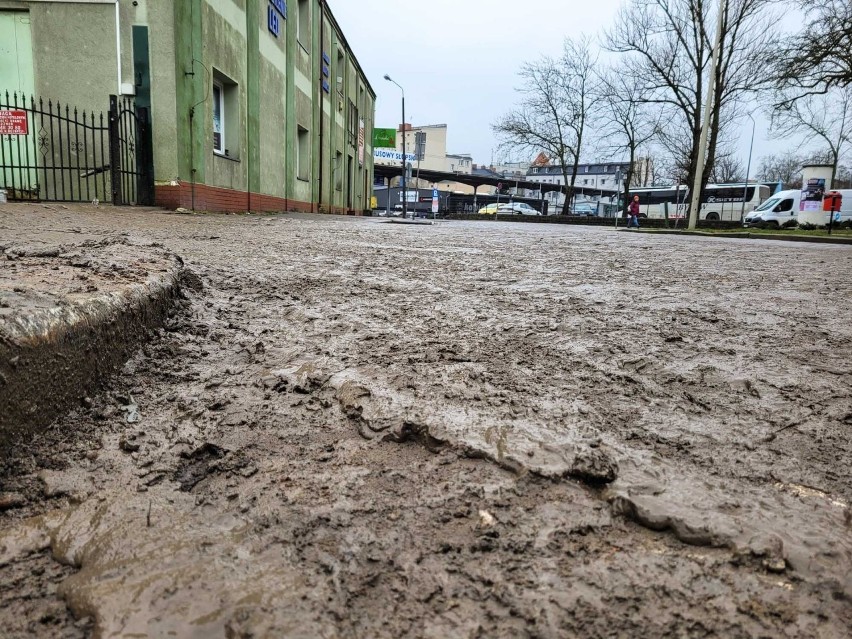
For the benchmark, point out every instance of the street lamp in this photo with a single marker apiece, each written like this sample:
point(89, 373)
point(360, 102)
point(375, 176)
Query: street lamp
point(404, 167)
point(748, 169)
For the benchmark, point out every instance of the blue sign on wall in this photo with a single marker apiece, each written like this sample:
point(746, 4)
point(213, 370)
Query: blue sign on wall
point(280, 6)
point(276, 8)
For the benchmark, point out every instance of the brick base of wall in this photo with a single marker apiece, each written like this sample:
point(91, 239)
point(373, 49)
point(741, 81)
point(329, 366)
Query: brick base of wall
point(214, 198)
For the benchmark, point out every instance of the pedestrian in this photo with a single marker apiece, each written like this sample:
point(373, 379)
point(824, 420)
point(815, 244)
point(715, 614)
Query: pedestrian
point(633, 210)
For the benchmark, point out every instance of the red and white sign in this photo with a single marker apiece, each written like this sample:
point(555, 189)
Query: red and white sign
point(14, 123)
point(362, 134)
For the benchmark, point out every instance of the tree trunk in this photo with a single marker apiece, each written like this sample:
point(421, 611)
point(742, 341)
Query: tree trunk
point(566, 205)
point(629, 180)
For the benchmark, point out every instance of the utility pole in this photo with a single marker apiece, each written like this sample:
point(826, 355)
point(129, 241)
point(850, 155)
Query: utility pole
point(695, 202)
point(748, 168)
point(420, 150)
point(404, 164)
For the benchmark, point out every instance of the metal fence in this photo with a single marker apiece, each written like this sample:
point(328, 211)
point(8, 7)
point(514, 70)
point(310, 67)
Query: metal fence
point(60, 154)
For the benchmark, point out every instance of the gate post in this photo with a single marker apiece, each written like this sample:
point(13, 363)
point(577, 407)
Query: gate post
point(115, 151)
point(145, 159)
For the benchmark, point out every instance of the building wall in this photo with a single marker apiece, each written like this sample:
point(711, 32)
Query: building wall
point(273, 87)
point(435, 158)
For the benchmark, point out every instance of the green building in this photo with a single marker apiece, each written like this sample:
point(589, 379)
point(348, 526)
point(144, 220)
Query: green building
point(254, 104)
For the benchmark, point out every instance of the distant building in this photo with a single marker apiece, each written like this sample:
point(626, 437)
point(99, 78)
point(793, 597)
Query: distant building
point(435, 156)
point(589, 176)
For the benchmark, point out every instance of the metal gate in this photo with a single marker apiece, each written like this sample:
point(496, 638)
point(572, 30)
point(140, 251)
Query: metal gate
point(53, 152)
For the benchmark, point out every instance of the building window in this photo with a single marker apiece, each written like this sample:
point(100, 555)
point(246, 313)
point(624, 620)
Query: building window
point(305, 23)
point(352, 124)
point(226, 113)
point(603, 182)
point(341, 70)
point(303, 151)
point(218, 118)
point(338, 172)
point(585, 182)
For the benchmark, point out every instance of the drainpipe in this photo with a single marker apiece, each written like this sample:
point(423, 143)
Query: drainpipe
point(321, 102)
point(118, 45)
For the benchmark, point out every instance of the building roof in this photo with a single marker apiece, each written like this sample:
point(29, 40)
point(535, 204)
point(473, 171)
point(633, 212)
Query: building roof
point(336, 25)
point(486, 172)
point(602, 168)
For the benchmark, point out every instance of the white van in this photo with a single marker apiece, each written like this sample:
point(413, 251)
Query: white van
point(784, 206)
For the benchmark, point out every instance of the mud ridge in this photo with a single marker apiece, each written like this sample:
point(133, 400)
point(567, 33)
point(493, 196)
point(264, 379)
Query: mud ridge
point(56, 351)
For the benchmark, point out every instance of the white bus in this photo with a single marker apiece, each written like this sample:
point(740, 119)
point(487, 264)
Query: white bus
point(720, 201)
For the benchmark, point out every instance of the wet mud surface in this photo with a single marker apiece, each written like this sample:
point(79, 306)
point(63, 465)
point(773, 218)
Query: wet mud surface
point(70, 316)
point(356, 429)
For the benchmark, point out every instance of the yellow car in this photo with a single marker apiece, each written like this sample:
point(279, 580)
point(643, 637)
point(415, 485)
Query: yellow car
point(491, 209)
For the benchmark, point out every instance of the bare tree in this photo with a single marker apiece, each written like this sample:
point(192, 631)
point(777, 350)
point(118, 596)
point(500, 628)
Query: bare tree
point(645, 169)
point(671, 169)
point(824, 119)
point(785, 168)
point(668, 46)
point(558, 97)
point(727, 168)
point(843, 178)
point(820, 58)
point(628, 121)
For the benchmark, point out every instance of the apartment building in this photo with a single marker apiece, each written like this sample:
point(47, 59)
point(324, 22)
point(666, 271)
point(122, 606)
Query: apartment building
point(254, 104)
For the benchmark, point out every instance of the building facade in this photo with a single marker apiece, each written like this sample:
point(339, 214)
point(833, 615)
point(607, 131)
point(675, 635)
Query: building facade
point(254, 104)
point(589, 176)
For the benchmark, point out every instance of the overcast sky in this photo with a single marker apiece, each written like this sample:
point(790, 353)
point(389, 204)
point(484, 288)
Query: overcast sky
point(458, 60)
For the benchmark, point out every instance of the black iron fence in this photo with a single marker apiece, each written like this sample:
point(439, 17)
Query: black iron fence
point(53, 152)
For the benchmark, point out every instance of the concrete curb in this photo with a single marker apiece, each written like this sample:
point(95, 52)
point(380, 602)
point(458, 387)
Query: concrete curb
point(51, 358)
point(816, 239)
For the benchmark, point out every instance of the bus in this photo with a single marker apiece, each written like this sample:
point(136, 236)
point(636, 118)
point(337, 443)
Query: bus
point(720, 201)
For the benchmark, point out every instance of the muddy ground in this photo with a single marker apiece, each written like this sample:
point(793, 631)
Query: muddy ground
point(359, 429)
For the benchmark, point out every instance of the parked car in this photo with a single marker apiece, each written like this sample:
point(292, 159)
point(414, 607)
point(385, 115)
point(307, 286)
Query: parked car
point(585, 209)
point(509, 208)
point(518, 208)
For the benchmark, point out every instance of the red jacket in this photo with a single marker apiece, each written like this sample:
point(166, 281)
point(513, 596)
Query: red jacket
point(634, 208)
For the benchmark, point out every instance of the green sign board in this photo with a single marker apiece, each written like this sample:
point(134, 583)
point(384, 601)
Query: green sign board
point(384, 138)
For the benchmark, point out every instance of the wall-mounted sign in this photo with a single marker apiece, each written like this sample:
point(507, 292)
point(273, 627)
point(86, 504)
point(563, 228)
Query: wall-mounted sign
point(384, 138)
point(276, 10)
point(14, 122)
point(391, 156)
point(362, 141)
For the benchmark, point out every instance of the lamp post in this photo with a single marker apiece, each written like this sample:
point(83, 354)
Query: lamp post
point(748, 168)
point(404, 165)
